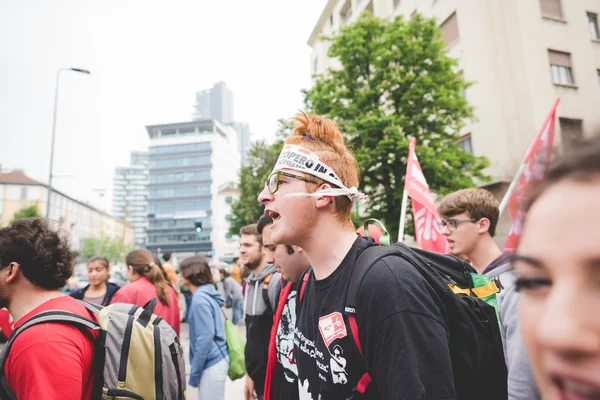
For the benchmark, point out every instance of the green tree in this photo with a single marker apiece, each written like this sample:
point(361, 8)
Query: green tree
point(396, 81)
point(27, 212)
point(261, 160)
point(113, 249)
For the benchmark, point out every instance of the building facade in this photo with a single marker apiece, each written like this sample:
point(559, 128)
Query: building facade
point(215, 103)
point(521, 56)
point(188, 163)
point(78, 219)
point(130, 195)
point(244, 134)
point(226, 245)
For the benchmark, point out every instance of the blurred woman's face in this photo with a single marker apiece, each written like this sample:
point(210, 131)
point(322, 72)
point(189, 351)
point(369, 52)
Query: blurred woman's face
point(97, 273)
point(558, 265)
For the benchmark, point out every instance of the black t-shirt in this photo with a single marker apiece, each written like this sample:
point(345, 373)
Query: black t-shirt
point(285, 382)
point(401, 326)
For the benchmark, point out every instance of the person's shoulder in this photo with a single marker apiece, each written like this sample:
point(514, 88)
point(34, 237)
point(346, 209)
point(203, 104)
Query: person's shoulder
point(391, 269)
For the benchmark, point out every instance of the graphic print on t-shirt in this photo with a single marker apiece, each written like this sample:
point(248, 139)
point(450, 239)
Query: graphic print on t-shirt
point(285, 339)
point(338, 366)
point(332, 327)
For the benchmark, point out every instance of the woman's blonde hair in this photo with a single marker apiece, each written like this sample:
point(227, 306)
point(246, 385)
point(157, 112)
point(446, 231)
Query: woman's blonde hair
point(323, 137)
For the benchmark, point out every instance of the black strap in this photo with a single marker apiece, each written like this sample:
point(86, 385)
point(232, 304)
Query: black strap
point(362, 265)
point(41, 318)
point(145, 316)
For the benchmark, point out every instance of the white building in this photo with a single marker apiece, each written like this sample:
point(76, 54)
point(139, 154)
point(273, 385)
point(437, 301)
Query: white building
point(226, 245)
point(130, 195)
point(78, 219)
point(188, 163)
point(521, 56)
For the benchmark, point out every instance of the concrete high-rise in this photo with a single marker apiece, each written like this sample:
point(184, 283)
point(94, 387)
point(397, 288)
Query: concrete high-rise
point(215, 103)
point(189, 162)
point(521, 56)
point(130, 195)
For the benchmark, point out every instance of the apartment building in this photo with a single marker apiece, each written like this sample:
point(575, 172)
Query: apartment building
point(521, 54)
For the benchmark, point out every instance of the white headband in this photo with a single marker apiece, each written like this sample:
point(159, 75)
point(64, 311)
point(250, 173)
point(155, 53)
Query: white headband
point(299, 159)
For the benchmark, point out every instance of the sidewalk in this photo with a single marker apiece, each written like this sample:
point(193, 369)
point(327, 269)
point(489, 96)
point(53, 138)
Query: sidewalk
point(233, 390)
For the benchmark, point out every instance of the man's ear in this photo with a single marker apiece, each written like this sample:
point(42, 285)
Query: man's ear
point(324, 201)
point(12, 271)
point(484, 225)
point(297, 249)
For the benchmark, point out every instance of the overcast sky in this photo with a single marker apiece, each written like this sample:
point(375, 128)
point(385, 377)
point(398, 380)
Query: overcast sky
point(147, 58)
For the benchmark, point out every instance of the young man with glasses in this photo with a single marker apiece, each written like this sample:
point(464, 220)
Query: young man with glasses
point(401, 349)
point(469, 220)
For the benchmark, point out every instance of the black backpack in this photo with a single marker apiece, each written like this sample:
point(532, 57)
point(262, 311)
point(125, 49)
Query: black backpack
point(475, 340)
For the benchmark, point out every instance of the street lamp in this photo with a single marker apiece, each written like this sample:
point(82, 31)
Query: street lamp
point(82, 71)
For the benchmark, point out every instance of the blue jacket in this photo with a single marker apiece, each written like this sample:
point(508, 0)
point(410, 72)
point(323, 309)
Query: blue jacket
point(207, 331)
point(111, 289)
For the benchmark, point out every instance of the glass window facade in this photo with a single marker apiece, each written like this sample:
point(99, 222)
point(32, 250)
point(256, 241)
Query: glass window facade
point(180, 177)
point(180, 162)
point(165, 208)
point(180, 223)
point(181, 148)
point(192, 237)
point(180, 192)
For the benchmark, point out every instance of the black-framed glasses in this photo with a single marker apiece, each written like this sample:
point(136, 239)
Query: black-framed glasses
point(272, 182)
point(452, 224)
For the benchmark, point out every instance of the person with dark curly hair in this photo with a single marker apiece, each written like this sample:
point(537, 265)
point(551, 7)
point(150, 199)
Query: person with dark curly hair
point(48, 360)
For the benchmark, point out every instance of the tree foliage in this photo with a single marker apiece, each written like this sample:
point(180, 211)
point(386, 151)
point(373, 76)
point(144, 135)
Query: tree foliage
point(396, 81)
point(27, 212)
point(113, 249)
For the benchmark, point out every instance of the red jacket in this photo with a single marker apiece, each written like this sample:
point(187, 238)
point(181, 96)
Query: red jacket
point(142, 291)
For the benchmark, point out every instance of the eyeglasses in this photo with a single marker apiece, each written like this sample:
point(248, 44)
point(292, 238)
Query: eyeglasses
point(272, 182)
point(452, 224)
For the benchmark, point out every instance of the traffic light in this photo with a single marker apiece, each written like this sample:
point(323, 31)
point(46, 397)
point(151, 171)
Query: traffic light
point(198, 227)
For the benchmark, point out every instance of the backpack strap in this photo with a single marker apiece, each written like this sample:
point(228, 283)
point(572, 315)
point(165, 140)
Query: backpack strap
point(265, 293)
point(305, 277)
point(41, 318)
point(364, 263)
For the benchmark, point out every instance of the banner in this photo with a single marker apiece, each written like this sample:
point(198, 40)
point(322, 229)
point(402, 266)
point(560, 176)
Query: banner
point(425, 212)
point(532, 170)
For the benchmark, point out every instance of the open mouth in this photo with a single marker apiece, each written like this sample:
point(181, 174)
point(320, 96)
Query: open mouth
point(576, 390)
point(272, 214)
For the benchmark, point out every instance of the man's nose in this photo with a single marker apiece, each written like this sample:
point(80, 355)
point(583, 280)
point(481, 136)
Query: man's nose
point(264, 197)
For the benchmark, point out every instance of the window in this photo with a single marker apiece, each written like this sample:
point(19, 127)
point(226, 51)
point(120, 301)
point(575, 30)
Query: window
point(413, 14)
point(331, 20)
point(465, 143)
point(599, 77)
point(560, 64)
point(450, 29)
point(228, 199)
point(180, 162)
point(551, 8)
point(315, 65)
point(24, 193)
point(396, 3)
point(346, 12)
point(593, 26)
point(570, 132)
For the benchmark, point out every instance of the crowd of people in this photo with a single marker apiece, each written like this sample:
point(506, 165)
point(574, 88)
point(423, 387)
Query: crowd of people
point(292, 282)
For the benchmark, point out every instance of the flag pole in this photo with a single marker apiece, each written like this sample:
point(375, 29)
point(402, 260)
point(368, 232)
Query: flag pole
point(517, 177)
point(403, 215)
point(511, 188)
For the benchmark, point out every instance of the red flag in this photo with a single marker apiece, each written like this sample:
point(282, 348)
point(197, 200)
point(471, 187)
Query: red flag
point(534, 169)
point(425, 212)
